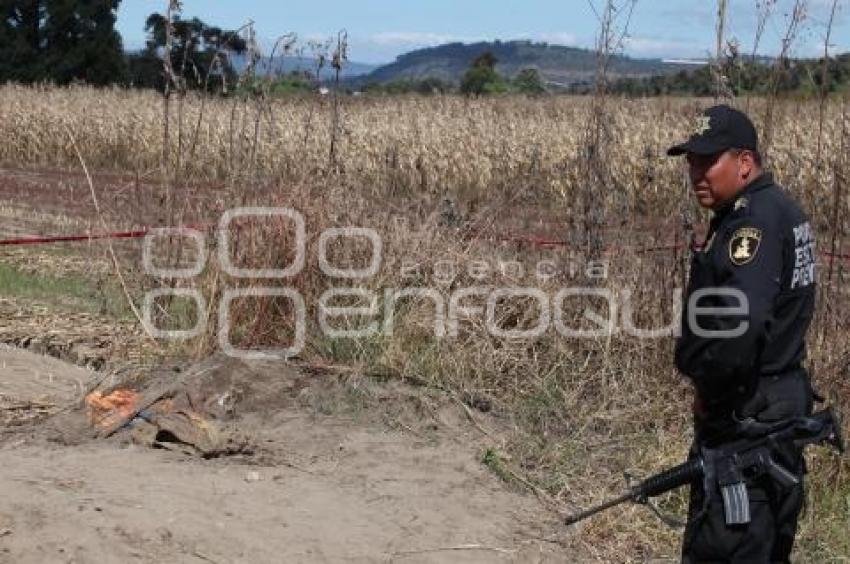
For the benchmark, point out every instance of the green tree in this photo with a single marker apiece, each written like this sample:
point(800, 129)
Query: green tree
point(482, 78)
point(83, 43)
point(529, 81)
point(60, 41)
point(20, 40)
point(432, 85)
point(200, 54)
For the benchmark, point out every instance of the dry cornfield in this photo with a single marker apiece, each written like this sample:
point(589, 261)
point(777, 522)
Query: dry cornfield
point(583, 410)
point(476, 150)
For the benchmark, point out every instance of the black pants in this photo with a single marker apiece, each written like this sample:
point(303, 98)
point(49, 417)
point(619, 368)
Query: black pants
point(768, 538)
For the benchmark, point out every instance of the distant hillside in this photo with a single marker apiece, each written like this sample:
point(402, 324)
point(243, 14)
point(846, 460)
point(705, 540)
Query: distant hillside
point(760, 77)
point(559, 65)
point(287, 64)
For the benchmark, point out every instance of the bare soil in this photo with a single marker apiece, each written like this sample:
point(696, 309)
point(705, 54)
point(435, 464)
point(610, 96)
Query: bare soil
point(318, 487)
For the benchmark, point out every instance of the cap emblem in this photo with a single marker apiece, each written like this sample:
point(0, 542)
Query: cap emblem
point(702, 124)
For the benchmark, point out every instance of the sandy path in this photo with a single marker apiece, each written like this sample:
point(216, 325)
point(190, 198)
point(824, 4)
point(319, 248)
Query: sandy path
point(330, 491)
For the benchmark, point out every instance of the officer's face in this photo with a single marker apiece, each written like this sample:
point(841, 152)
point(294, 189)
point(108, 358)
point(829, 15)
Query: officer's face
point(719, 177)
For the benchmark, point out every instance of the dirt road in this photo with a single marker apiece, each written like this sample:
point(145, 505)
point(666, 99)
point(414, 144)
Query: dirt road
point(328, 489)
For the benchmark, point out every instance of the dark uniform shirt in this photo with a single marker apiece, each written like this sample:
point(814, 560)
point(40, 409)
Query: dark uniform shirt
point(760, 246)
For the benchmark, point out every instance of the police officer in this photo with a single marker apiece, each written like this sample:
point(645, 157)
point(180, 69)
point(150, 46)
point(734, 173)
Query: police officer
point(750, 300)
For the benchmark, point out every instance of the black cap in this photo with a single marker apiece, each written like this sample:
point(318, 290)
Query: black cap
point(718, 128)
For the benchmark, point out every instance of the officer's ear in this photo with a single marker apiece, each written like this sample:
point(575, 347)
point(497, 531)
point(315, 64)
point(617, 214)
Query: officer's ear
point(747, 164)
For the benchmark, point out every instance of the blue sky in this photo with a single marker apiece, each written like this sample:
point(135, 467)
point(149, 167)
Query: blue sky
point(379, 30)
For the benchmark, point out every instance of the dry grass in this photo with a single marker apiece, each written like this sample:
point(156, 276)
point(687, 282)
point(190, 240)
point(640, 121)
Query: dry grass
point(477, 150)
point(583, 410)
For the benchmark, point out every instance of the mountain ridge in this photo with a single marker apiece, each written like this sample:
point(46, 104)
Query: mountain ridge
point(558, 64)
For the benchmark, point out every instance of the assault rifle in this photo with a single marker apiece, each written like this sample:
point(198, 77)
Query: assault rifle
point(732, 464)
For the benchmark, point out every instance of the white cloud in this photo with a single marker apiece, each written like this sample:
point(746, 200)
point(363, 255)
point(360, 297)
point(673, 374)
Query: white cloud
point(648, 47)
point(406, 38)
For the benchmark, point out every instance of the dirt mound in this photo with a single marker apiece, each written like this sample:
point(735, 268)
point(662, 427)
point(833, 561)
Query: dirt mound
point(210, 409)
point(34, 387)
point(324, 480)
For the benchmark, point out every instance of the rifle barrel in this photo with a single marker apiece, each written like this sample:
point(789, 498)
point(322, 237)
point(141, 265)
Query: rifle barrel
point(594, 510)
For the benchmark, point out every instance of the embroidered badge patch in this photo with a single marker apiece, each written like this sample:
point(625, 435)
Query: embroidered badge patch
point(744, 245)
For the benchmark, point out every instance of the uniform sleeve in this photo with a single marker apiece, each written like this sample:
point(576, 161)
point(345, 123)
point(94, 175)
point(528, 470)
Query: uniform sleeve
point(720, 350)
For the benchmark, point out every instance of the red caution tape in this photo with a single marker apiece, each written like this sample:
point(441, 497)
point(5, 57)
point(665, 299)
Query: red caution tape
point(533, 240)
point(71, 238)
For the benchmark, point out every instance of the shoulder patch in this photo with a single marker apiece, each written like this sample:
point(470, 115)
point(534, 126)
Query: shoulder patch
point(744, 245)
